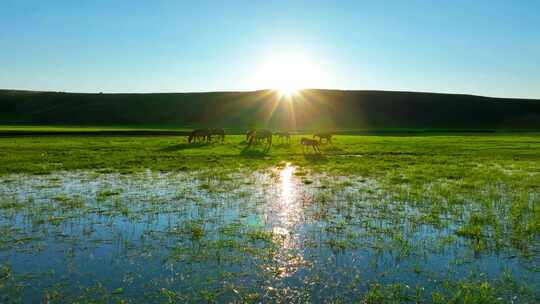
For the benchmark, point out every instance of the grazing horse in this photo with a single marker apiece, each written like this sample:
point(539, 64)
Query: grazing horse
point(252, 132)
point(310, 142)
point(255, 136)
point(220, 133)
point(200, 134)
point(321, 135)
point(284, 136)
point(249, 133)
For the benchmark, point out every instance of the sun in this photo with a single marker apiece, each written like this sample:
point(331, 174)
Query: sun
point(287, 91)
point(289, 73)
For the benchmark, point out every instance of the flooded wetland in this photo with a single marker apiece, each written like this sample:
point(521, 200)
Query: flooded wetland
point(369, 220)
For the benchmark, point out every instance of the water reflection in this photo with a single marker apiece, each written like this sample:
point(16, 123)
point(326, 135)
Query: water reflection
point(286, 182)
point(144, 234)
point(289, 217)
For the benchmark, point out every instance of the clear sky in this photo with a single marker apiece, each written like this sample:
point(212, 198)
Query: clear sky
point(476, 47)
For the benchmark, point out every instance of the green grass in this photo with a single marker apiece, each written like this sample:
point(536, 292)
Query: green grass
point(22, 129)
point(75, 128)
point(400, 158)
point(400, 198)
point(405, 166)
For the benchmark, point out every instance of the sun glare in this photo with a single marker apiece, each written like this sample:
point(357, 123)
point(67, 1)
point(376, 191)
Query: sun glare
point(287, 91)
point(289, 73)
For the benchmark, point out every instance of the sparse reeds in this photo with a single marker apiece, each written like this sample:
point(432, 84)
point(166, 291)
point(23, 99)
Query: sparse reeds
point(407, 219)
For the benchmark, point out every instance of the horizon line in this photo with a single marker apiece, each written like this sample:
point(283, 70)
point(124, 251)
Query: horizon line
point(268, 89)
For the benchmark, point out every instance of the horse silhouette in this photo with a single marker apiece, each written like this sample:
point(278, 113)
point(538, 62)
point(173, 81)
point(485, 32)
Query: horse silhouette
point(220, 133)
point(255, 136)
point(284, 136)
point(323, 135)
point(306, 142)
point(200, 135)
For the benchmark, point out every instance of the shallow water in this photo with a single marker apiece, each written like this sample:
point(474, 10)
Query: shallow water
point(281, 234)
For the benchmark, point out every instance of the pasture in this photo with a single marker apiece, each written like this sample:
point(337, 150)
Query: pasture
point(392, 219)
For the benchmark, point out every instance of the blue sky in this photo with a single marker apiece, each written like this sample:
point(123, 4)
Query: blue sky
point(475, 47)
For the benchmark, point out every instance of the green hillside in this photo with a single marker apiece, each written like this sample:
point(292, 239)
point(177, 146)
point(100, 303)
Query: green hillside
point(312, 109)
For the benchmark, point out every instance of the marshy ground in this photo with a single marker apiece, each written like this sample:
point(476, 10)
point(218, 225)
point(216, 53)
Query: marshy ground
point(370, 219)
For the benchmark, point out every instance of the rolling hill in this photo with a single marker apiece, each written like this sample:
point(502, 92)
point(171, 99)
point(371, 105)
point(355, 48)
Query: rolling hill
point(312, 109)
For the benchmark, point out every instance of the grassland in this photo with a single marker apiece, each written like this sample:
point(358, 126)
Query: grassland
point(371, 219)
point(417, 158)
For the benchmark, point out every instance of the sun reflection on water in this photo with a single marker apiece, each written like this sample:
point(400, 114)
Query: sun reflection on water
point(285, 176)
point(289, 216)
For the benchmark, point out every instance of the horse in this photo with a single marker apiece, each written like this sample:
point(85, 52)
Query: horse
point(200, 134)
point(321, 135)
point(255, 136)
point(220, 133)
point(249, 133)
point(252, 132)
point(310, 142)
point(284, 136)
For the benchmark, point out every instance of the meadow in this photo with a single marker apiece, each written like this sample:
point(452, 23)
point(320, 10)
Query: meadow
point(392, 219)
